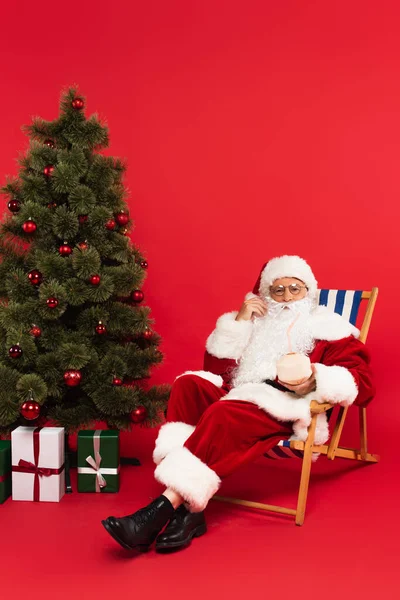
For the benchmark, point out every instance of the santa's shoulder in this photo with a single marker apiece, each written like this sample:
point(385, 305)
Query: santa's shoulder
point(328, 325)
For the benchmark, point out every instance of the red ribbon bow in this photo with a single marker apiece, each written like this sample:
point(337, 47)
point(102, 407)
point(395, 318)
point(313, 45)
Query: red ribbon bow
point(25, 466)
point(28, 467)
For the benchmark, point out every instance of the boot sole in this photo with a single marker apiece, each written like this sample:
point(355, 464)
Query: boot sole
point(140, 548)
point(197, 532)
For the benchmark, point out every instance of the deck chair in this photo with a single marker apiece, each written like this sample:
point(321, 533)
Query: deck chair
point(346, 303)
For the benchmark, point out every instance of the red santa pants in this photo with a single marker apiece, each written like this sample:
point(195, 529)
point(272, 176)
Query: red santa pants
point(206, 439)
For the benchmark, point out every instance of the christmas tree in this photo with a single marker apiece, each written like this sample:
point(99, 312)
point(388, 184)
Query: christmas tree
point(76, 343)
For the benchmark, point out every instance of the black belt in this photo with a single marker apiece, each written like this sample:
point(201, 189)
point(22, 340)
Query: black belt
point(277, 386)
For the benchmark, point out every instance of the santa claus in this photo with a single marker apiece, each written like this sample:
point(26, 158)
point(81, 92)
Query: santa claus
point(263, 366)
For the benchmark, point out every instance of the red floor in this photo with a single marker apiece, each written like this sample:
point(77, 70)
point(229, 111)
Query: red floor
point(347, 548)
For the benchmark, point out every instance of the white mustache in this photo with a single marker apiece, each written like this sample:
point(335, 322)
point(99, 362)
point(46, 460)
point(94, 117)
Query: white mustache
point(302, 307)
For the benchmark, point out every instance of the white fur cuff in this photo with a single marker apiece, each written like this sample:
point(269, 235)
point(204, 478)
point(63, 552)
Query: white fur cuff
point(212, 377)
point(171, 435)
point(334, 384)
point(187, 475)
point(230, 337)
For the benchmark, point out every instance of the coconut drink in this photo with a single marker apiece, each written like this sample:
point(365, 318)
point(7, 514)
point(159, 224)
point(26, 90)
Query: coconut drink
point(293, 368)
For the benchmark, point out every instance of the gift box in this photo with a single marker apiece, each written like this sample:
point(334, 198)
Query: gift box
point(98, 461)
point(37, 455)
point(5, 470)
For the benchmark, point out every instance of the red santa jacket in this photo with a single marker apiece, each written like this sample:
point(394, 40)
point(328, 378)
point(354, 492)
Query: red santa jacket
point(341, 361)
point(346, 352)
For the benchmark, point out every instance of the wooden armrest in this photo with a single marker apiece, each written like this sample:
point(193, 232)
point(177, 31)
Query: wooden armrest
point(317, 408)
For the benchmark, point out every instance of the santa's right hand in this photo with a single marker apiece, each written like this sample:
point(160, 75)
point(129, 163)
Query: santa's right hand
point(253, 307)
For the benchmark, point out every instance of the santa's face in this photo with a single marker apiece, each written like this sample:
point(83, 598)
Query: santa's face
point(285, 328)
point(287, 289)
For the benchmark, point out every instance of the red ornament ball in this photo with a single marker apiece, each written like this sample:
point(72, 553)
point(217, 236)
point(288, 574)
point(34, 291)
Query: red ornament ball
point(52, 302)
point(30, 410)
point(48, 170)
point(52, 205)
point(144, 264)
point(14, 205)
point(35, 277)
point(35, 331)
point(29, 226)
point(77, 103)
point(15, 351)
point(72, 377)
point(110, 224)
point(139, 414)
point(122, 217)
point(137, 296)
point(83, 245)
point(101, 328)
point(147, 334)
point(49, 143)
point(82, 219)
point(65, 250)
point(95, 279)
point(117, 381)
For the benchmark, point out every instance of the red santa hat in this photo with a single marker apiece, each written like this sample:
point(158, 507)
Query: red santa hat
point(285, 266)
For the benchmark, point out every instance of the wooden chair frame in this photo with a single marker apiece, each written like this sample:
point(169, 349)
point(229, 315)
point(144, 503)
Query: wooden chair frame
point(332, 448)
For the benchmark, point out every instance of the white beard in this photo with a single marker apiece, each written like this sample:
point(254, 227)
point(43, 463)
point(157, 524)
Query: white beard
point(269, 340)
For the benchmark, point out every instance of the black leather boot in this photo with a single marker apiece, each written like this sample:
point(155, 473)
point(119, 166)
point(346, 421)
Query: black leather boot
point(138, 531)
point(179, 532)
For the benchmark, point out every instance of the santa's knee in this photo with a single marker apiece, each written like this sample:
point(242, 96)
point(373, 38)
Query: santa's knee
point(217, 415)
point(186, 382)
point(183, 389)
point(182, 403)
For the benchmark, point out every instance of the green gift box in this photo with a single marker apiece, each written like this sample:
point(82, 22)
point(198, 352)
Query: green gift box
point(5, 470)
point(98, 461)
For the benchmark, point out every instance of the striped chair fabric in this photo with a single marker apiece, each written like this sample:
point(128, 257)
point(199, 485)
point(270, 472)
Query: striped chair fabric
point(345, 303)
point(283, 450)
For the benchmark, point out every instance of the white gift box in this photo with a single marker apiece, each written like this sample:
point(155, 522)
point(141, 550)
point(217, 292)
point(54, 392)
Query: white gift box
point(37, 455)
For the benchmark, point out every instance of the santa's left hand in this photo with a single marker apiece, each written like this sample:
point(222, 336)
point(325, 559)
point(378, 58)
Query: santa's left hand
point(305, 387)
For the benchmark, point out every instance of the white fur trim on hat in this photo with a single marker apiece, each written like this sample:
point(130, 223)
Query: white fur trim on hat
point(190, 477)
point(230, 337)
point(171, 435)
point(287, 266)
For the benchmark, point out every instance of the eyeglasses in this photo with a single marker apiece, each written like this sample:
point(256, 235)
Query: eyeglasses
point(293, 288)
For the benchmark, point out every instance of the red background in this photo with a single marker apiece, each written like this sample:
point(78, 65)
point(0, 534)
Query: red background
point(250, 130)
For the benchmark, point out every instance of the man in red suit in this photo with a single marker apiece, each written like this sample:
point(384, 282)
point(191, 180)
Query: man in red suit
point(236, 409)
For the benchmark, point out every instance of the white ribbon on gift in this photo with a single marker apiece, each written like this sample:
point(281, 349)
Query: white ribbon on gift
point(95, 464)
